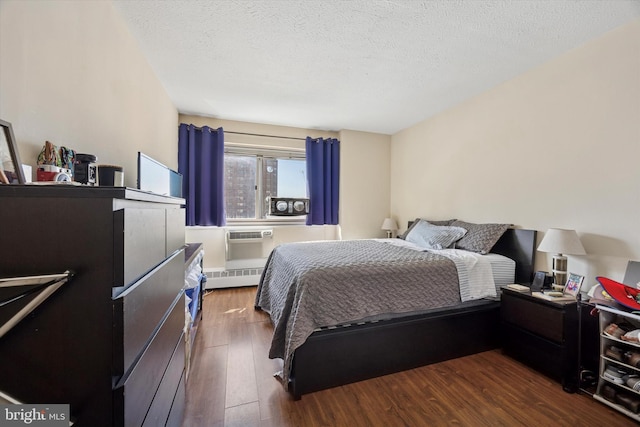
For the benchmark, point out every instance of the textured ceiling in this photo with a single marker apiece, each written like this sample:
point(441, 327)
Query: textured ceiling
point(368, 65)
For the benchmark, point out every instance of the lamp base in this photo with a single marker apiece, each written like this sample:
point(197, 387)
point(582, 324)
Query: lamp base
point(559, 272)
point(389, 234)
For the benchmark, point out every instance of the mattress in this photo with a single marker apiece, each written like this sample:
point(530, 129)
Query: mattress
point(504, 270)
point(502, 267)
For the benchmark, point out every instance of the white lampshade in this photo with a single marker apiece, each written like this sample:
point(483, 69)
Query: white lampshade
point(559, 241)
point(389, 224)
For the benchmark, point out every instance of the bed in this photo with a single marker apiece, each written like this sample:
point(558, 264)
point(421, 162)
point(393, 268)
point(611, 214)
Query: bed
point(332, 327)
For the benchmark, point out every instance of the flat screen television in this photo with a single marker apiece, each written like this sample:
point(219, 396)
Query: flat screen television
point(157, 178)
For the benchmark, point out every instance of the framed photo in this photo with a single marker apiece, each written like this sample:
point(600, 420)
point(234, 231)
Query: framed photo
point(574, 283)
point(10, 165)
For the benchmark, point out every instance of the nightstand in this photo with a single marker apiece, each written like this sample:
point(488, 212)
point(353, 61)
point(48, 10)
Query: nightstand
point(543, 334)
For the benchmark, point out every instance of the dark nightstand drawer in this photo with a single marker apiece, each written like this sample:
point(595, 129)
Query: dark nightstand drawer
point(542, 334)
point(541, 319)
point(533, 350)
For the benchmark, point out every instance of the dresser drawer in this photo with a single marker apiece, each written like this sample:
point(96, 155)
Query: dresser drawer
point(135, 392)
point(141, 307)
point(541, 319)
point(162, 401)
point(177, 408)
point(175, 230)
point(139, 243)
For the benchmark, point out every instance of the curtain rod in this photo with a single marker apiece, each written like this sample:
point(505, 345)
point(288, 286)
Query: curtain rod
point(266, 136)
point(259, 134)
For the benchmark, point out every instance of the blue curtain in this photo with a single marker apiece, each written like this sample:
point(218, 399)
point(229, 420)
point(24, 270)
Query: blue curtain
point(201, 163)
point(323, 171)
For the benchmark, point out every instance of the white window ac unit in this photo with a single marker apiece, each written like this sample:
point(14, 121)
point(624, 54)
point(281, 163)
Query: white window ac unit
point(247, 248)
point(239, 236)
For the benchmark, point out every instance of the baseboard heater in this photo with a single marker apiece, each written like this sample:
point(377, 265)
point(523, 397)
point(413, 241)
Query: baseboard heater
point(222, 278)
point(246, 252)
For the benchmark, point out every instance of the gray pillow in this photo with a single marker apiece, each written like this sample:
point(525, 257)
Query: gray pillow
point(480, 238)
point(414, 223)
point(429, 236)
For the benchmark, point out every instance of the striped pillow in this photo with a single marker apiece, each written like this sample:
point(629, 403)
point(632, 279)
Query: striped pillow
point(431, 236)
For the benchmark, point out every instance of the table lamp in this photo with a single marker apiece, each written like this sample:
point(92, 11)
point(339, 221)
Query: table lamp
point(389, 225)
point(561, 242)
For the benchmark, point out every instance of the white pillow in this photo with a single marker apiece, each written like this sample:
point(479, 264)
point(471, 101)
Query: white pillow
point(429, 236)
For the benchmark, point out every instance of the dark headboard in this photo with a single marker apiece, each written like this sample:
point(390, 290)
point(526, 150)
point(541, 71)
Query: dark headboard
point(520, 246)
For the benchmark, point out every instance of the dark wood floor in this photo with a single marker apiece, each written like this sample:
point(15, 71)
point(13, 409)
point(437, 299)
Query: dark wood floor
point(232, 384)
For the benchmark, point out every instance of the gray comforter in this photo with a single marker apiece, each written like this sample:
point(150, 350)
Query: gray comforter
point(306, 286)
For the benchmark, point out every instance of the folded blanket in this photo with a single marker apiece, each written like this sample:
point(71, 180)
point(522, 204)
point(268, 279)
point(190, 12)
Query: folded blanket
point(474, 274)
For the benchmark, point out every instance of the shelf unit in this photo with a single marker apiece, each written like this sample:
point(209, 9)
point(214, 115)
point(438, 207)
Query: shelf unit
point(610, 315)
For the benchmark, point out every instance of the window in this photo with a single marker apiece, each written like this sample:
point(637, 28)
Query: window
point(251, 176)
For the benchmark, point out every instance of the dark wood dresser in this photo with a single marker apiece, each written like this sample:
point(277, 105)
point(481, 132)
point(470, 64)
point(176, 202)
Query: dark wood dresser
point(110, 341)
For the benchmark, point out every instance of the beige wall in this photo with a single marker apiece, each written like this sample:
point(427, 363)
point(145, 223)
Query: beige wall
point(364, 184)
point(555, 147)
point(71, 73)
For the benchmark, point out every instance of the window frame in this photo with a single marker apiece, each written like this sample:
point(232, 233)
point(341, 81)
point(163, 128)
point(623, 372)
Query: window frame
point(260, 152)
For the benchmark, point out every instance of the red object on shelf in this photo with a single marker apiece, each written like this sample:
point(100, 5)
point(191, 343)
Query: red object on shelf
point(625, 295)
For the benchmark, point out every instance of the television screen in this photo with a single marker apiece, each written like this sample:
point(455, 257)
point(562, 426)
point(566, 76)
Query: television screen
point(155, 177)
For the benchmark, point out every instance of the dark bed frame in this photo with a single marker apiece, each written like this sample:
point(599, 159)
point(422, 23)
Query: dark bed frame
point(340, 356)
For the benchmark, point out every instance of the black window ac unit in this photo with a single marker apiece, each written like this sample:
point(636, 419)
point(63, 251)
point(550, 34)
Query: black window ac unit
point(286, 206)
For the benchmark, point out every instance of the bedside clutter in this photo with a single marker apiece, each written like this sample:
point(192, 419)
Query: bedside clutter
point(544, 333)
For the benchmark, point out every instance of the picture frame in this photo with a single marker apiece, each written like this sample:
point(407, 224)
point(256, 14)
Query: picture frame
point(10, 165)
point(573, 285)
